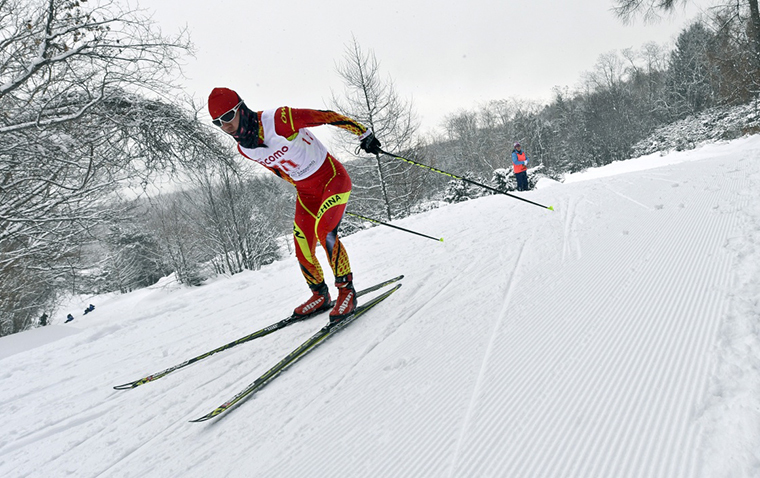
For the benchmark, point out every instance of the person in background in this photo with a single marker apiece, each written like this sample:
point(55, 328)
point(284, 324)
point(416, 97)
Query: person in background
point(44, 320)
point(69, 318)
point(279, 140)
point(520, 165)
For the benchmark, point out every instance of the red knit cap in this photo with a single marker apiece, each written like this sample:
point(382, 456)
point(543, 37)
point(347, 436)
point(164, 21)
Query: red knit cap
point(221, 100)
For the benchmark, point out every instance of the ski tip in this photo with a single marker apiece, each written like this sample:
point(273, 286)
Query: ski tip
point(203, 418)
point(440, 240)
point(551, 208)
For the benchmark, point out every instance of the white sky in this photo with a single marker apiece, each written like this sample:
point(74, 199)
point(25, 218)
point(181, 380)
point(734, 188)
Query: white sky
point(443, 55)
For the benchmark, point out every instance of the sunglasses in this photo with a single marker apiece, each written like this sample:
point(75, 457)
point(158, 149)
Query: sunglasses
point(228, 116)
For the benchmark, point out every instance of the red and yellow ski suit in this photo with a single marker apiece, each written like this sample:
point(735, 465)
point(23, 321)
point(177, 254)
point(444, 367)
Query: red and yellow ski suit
point(292, 152)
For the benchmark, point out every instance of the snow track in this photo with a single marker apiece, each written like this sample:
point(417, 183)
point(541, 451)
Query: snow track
point(615, 337)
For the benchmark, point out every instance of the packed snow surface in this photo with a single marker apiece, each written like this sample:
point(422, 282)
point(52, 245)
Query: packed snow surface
point(617, 336)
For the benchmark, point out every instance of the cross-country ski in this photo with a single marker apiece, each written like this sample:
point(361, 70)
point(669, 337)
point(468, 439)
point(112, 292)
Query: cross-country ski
point(255, 335)
point(318, 338)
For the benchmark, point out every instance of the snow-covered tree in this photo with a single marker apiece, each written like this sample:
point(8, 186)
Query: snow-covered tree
point(82, 113)
point(688, 85)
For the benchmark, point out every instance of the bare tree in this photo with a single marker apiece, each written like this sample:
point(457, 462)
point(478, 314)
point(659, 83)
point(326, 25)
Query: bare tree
point(481, 140)
point(234, 211)
point(177, 227)
point(374, 102)
point(731, 64)
point(131, 256)
point(628, 9)
point(80, 116)
point(465, 131)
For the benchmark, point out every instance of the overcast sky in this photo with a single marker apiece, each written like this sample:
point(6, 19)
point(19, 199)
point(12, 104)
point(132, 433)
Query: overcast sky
point(443, 55)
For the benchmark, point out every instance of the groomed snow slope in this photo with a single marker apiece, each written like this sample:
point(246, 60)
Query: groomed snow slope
point(614, 337)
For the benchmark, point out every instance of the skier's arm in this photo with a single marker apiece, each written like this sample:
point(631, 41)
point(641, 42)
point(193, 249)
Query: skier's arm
point(289, 120)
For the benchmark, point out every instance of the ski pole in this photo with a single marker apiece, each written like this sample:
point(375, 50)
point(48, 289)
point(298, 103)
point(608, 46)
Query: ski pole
point(435, 170)
point(391, 225)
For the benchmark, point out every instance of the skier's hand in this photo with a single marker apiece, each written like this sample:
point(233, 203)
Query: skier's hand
point(526, 162)
point(369, 143)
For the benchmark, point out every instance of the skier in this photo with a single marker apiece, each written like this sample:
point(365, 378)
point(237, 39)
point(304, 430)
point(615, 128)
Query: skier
point(520, 165)
point(69, 318)
point(279, 140)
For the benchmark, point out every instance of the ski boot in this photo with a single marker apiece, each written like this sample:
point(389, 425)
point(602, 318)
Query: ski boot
point(319, 301)
point(345, 304)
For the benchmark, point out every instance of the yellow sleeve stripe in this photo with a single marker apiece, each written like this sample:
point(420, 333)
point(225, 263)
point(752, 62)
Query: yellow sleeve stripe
point(290, 117)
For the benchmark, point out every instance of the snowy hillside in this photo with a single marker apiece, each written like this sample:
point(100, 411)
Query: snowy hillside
point(715, 124)
point(614, 337)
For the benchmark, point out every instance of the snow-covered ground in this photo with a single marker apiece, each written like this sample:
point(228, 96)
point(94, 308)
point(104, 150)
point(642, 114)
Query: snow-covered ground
point(618, 336)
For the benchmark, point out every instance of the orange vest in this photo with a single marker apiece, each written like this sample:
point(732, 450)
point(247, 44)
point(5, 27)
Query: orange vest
point(520, 167)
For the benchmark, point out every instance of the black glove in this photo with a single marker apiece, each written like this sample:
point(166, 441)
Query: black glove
point(370, 144)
